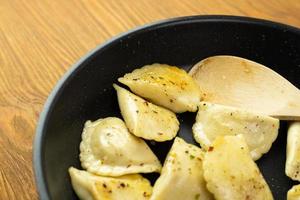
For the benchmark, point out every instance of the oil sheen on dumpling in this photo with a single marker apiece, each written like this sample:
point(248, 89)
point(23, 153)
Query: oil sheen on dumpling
point(108, 149)
point(231, 173)
point(145, 119)
point(182, 174)
point(214, 120)
point(165, 85)
point(89, 186)
point(292, 165)
point(294, 193)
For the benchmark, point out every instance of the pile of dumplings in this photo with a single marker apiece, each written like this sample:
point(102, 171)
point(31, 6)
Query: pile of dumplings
point(113, 152)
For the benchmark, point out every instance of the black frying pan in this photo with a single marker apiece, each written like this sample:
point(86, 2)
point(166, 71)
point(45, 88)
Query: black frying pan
point(86, 91)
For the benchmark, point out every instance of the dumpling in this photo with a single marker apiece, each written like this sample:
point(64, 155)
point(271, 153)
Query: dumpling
point(108, 149)
point(231, 173)
point(294, 193)
point(182, 174)
point(145, 119)
point(165, 85)
point(292, 165)
point(92, 187)
point(214, 120)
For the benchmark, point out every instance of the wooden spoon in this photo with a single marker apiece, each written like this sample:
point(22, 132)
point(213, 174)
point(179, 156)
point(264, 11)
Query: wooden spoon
point(242, 83)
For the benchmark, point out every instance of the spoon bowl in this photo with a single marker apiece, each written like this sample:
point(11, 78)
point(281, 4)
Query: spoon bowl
point(238, 82)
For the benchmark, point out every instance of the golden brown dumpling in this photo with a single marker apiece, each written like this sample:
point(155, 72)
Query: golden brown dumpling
point(182, 174)
point(294, 193)
point(108, 149)
point(89, 186)
point(145, 119)
point(215, 120)
point(231, 173)
point(292, 165)
point(164, 85)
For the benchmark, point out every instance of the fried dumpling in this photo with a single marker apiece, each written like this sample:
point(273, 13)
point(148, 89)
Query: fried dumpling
point(164, 85)
point(182, 174)
point(89, 186)
point(108, 149)
point(214, 120)
point(294, 193)
point(145, 119)
point(292, 165)
point(231, 173)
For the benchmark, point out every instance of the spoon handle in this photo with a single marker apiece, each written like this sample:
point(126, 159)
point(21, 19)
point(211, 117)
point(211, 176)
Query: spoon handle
point(291, 110)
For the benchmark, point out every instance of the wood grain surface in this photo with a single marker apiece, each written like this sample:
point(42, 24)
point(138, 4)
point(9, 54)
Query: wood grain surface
point(41, 39)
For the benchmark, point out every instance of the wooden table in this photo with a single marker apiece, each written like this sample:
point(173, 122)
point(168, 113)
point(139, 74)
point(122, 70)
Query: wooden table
point(41, 39)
